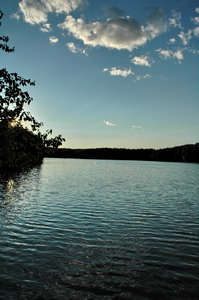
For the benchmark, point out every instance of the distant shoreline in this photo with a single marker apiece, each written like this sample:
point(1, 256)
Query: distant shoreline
point(185, 153)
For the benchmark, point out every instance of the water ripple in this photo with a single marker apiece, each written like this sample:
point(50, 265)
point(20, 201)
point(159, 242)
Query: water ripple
point(78, 229)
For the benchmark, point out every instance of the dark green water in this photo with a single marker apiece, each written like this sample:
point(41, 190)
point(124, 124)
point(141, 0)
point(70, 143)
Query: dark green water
point(86, 229)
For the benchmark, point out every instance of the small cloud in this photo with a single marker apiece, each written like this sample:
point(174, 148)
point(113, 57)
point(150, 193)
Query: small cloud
point(185, 37)
point(136, 127)
point(108, 123)
point(197, 10)
point(166, 54)
point(178, 54)
point(139, 77)
point(53, 40)
point(175, 20)
point(172, 41)
point(141, 61)
point(118, 72)
point(46, 28)
point(76, 49)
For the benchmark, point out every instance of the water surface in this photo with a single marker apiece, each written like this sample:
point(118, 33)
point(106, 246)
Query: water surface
point(96, 229)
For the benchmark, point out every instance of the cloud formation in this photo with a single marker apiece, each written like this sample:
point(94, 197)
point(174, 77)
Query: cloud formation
point(118, 72)
point(141, 61)
point(116, 33)
point(109, 123)
point(36, 11)
point(119, 31)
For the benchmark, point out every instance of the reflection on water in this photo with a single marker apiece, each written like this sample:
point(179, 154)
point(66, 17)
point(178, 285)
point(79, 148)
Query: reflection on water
point(16, 190)
point(85, 229)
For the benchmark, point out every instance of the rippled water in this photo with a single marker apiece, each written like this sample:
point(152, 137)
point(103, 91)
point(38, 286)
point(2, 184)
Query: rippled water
point(88, 229)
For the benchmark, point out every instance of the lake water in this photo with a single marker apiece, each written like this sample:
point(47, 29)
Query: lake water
point(96, 229)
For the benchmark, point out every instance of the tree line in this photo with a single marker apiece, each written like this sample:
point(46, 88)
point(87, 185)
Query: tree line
point(185, 153)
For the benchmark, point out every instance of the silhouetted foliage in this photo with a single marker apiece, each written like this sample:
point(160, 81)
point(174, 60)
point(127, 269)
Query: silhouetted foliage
point(23, 150)
point(20, 147)
point(13, 98)
point(53, 142)
point(4, 40)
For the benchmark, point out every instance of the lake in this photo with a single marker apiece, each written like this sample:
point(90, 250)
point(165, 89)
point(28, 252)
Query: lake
point(100, 229)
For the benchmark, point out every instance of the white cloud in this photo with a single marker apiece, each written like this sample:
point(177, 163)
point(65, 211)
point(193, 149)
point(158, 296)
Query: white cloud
point(166, 54)
point(141, 61)
point(46, 28)
point(75, 48)
point(197, 10)
point(53, 39)
point(185, 37)
point(118, 72)
point(36, 12)
point(108, 123)
point(33, 12)
point(172, 41)
point(62, 6)
point(175, 20)
point(178, 54)
point(117, 33)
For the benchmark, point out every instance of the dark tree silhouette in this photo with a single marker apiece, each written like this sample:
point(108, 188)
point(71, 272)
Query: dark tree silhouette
point(19, 146)
point(13, 99)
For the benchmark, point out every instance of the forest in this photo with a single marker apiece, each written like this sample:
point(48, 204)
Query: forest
point(185, 153)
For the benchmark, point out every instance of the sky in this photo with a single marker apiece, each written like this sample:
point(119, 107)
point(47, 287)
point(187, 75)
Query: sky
point(114, 73)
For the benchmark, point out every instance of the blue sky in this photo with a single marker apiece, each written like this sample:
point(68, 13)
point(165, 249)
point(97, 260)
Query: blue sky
point(118, 73)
